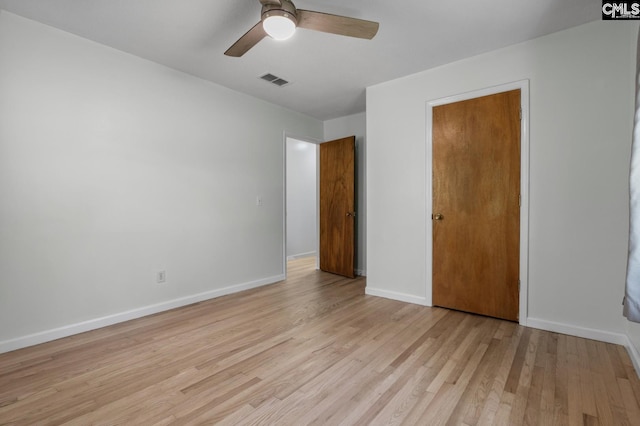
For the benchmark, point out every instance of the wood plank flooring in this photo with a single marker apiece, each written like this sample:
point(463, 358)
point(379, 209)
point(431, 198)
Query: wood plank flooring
point(315, 350)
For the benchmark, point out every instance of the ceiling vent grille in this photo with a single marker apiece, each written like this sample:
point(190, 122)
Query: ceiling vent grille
point(274, 79)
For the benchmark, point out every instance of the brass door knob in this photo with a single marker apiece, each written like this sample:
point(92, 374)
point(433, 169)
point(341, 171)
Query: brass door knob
point(438, 216)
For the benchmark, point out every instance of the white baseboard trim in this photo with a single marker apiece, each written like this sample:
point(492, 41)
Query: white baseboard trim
point(81, 327)
point(402, 297)
point(574, 330)
point(301, 255)
point(633, 354)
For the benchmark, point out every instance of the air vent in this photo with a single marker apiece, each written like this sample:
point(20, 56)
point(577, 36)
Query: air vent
point(274, 79)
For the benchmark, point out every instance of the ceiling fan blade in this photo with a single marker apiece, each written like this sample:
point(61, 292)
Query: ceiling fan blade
point(336, 24)
point(247, 41)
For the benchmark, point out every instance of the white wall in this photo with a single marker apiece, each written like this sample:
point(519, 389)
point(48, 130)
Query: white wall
point(581, 109)
point(355, 125)
point(302, 205)
point(113, 168)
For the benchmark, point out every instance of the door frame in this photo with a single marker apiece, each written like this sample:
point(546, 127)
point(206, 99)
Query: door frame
point(317, 143)
point(523, 85)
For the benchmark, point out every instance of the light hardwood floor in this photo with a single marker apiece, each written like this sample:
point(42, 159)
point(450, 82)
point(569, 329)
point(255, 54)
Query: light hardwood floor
point(315, 350)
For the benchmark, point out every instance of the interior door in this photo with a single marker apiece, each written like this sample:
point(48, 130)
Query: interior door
point(337, 199)
point(476, 205)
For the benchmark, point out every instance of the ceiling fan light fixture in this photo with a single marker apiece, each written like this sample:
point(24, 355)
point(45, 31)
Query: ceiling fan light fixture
point(280, 26)
point(279, 19)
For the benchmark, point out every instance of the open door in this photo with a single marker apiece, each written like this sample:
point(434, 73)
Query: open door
point(337, 199)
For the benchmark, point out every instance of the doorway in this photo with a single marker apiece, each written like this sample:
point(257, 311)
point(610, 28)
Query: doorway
point(319, 203)
point(301, 206)
point(453, 257)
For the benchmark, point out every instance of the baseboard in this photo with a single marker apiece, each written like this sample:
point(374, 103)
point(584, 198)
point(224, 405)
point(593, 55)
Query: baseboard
point(301, 255)
point(361, 272)
point(81, 327)
point(573, 330)
point(402, 297)
point(633, 354)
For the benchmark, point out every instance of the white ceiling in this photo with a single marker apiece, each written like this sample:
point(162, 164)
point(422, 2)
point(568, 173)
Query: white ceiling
point(328, 73)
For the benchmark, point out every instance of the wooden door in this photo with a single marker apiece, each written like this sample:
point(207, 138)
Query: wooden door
point(476, 205)
point(337, 199)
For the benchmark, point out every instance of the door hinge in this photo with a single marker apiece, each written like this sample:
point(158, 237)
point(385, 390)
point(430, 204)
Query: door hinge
point(519, 200)
point(520, 113)
point(518, 286)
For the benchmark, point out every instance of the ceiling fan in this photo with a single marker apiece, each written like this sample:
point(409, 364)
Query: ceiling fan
point(280, 18)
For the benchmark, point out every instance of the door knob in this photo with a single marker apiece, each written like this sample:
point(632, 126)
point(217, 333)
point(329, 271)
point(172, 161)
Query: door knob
point(351, 214)
point(438, 216)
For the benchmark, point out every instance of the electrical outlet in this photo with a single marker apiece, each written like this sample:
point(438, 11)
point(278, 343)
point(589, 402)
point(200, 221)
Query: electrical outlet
point(161, 277)
point(258, 200)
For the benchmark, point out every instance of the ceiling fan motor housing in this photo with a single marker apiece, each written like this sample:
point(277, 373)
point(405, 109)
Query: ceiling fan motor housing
point(285, 9)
